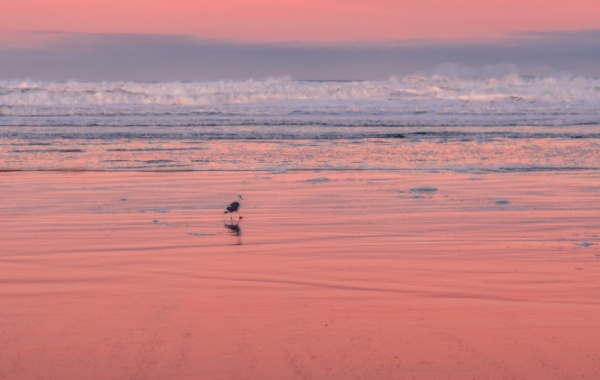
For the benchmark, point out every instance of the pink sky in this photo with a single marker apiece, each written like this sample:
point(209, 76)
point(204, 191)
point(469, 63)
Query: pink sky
point(302, 20)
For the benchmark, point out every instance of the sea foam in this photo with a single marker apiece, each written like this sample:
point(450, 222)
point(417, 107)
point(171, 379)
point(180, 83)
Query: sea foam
point(435, 100)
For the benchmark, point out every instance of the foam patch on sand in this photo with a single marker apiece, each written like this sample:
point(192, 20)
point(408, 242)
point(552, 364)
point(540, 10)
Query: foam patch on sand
point(585, 244)
point(278, 170)
point(317, 180)
point(161, 210)
point(424, 189)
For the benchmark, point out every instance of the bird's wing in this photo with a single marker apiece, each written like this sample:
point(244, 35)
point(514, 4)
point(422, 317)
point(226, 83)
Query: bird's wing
point(233, 206)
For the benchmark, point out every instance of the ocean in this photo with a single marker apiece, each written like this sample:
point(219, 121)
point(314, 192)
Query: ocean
point(481, 123)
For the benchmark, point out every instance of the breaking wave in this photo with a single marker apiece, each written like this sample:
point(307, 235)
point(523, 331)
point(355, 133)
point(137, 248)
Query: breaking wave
point(436, 100)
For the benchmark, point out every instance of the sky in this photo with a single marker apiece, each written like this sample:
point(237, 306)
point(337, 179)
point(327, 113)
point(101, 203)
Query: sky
point(326, 39)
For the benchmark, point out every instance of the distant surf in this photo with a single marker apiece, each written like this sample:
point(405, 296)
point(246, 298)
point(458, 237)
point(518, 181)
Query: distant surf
point(433, 100)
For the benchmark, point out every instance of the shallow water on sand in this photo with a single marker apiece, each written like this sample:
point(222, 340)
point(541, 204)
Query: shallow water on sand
point(476, 151)
point(331, 274)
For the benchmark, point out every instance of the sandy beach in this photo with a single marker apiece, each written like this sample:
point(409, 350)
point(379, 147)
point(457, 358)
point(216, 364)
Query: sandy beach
point(334, 275)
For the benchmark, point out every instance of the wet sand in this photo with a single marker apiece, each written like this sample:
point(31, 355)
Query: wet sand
point(335, 275)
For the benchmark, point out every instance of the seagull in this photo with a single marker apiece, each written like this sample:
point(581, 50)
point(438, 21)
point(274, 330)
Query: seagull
point(235, 206)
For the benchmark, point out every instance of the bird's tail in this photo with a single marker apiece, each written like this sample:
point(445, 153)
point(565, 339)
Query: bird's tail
point(225, 212)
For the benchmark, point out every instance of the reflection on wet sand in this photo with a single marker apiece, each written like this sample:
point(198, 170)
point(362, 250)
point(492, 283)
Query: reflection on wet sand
point(235, 229)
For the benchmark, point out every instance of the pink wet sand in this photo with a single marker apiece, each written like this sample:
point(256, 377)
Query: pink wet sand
point(336, 275)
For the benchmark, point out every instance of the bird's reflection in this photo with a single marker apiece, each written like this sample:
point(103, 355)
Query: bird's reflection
point(235, 229)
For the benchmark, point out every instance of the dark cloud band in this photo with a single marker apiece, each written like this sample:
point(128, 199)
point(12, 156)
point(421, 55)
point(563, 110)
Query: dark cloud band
point(174, 58)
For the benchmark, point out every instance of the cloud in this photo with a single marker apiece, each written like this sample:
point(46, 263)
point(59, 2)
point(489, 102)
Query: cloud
point(577, 37)
point(94, 57)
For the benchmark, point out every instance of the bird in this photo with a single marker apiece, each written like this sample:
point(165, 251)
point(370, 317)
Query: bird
point(235, 207)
